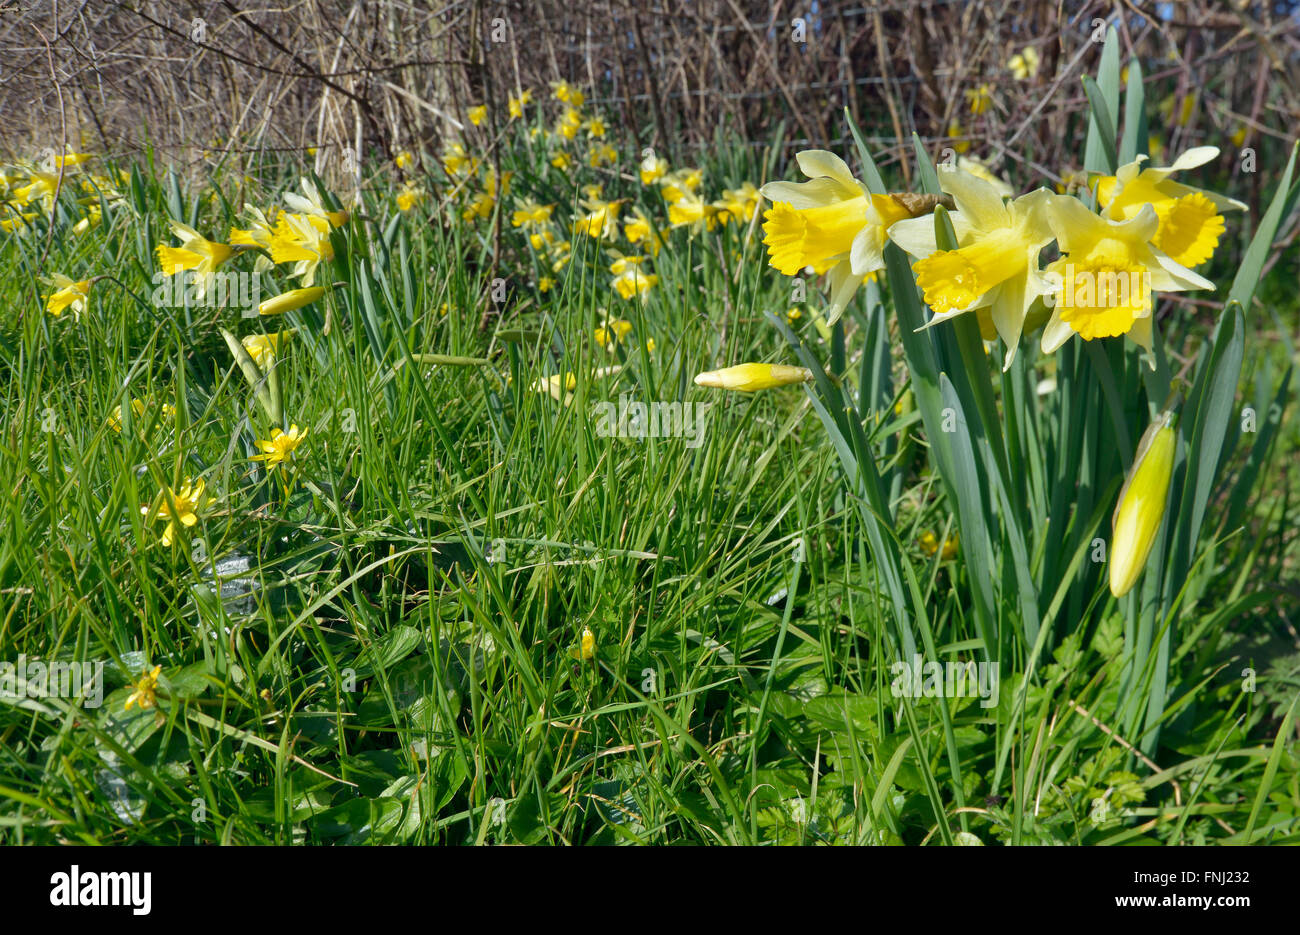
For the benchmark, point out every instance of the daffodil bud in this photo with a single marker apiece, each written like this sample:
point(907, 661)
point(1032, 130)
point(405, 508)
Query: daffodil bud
point(1141, 505)
point(288, 301)
point(750, 377)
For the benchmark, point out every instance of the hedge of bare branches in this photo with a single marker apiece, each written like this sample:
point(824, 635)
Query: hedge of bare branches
point(211, 79)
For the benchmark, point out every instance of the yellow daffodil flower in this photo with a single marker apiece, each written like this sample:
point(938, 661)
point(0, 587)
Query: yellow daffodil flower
point(738, 204)
point(930, 544)
point(1141, 506)
point(748, 378)
point(67, 295)
point(288, 301)
point(1024, 64)
point(296, 239)
point(600, 221)
point(311, 203)
point(979, 100)
point(1103, 285)
point(477, 114)
point(516, 105)
point(995, 265)
point(263, 348)
point(567, 93)
point(831, 223)
point(1190, 222)
point(638, 229)
point(530, 214)
point(653, 168)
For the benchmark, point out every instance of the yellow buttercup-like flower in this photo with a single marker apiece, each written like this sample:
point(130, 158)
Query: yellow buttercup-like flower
point(279, 448)
point(1103, 285)
point(178, 506)
point(145, 691)
point(995, 265)
point(930, 544)
point(1141, 506)
point(585, 651)
point(748, 378)
point(1190, 219)
point(831, 223)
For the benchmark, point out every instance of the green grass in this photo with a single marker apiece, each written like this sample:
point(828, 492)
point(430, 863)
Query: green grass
point(390, 654)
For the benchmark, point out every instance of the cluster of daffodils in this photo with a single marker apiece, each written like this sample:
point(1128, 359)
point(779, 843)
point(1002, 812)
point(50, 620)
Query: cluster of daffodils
point(629, 238)
point(1143, 237)
point(28, 188)
point(27, 194)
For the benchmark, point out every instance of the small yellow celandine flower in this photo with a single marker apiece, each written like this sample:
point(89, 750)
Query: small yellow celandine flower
point(562, 161)
point(1141, 506)
point(995, 265)
point(1024, 65)
point(477, 114)
point(181, 506)
point(545, 285)
point(831, 223)
point(792, 315)
point(263, 348)
point(1190, 222)
point(531, 214)
point(567, 93)
point(1103, 284)
point(279, 448)
point(585, 651)
point(516, 105)
point(929, 543)
point(748, 378)
point(653, 168)
point(67, 295)
point(404, 159)
point(138, 409)
point(145, 694)
point(980, 100)
point(288, 301)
